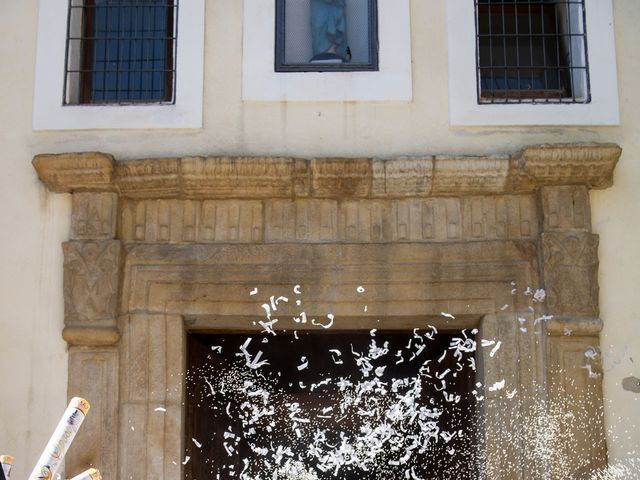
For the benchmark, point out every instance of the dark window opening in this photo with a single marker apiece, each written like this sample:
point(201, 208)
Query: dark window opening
point(326, 35)
point(531, 51)
point(213, 419)
point(121, 51)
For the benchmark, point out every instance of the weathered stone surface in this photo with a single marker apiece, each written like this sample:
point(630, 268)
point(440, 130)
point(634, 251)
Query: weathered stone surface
point(91, 277)
point(326, 220)
point(94, 375)
point(426, 234)
point(589, 165)
point(402, 177)
point(69, 172)
point(91, 336)
point(94, 216)
point(566, 208)
point(575, 389)
point(574, 326)
point(151, 359)
point(237, 177)
point(570, 266)
point(337, 177)
point(177, 221)
point(470, 175)
point(158, 177)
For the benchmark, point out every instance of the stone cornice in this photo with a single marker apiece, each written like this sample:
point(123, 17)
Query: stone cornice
point(590, 165)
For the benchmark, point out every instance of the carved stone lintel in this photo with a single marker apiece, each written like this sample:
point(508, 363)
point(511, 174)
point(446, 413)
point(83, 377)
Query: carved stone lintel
point(94, 216)
point(570, 268)
point(91, 276)
point(68, 172)
point(590, 165)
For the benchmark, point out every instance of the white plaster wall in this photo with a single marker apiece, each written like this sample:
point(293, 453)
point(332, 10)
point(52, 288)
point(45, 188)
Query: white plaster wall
point(35, 222)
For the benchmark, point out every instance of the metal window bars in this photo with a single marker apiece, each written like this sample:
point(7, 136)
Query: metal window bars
point(121, 52)
point(531, 51)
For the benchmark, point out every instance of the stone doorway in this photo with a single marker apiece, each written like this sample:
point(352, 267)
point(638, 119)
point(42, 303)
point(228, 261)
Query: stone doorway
point(163, 247)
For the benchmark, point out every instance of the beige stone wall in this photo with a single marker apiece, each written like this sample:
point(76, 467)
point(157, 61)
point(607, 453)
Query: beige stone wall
point(33, 357)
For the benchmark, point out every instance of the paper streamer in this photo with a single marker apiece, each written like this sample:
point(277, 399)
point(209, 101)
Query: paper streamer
point(7, 462)
point(91, 474)
point(62, 437)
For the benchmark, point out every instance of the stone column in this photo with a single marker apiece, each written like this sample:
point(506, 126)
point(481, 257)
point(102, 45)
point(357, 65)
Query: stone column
point(569, 255)
point(92, 265)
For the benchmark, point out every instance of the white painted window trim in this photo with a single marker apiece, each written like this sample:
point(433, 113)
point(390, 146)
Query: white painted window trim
point(49, 113)
point(392, 82)
point(463, 103)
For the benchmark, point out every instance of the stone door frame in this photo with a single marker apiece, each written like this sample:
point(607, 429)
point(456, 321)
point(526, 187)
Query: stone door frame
point(159, 247)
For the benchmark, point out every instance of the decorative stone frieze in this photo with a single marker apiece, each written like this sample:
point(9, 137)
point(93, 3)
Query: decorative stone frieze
point(163, 247)
point(279, 177)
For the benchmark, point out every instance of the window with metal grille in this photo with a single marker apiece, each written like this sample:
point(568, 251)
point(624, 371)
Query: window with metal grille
point(531, 51)
point(326, 35)
point(121, 51)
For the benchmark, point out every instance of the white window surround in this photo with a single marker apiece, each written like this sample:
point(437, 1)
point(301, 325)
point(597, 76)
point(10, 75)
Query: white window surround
point(464, 109)
point(392, 82)
point(49, 113)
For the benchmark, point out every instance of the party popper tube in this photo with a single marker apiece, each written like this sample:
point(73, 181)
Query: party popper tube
point(59, 442)
point(91, 474)
point(6, 461)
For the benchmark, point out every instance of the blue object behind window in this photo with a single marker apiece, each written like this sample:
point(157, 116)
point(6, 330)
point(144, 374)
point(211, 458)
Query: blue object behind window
point(131, 61)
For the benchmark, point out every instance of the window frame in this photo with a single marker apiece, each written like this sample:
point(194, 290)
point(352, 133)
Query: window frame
point(281, 66)
point(50, 112)
point(87, 39)
point(465, 110)
point(391, 82)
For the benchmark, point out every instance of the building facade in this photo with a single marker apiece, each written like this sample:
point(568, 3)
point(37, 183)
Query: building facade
point(410, 170)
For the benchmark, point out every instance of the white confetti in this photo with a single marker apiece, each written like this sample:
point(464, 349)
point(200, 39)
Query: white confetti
point(497, 386)
point(253, 292)
point(304, 364)
point(159, 409)
point(196, 443)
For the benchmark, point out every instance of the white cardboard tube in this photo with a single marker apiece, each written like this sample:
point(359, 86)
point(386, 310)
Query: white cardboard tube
point(91, 474)
point(59, 442)
point(7, 462)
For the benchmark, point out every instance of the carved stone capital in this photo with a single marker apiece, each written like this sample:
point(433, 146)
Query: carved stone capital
point(68, 172)
point(570, 268)
point(565, 208)
point(94, 215)
point(91, 276)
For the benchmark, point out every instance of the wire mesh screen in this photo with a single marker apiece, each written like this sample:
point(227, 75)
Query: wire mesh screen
point(121, 51)
point(531, 51)
point(327, 34)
